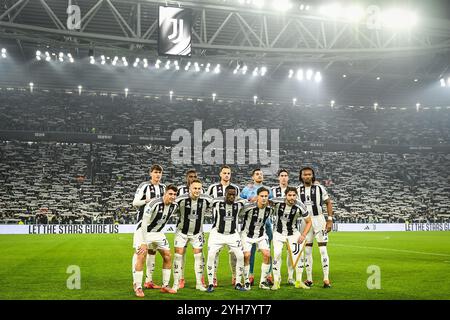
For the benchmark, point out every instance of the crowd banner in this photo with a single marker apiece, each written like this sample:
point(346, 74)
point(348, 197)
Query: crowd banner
point(171, 228)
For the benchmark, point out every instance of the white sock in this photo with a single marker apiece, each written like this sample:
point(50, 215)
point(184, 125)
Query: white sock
point(212, 257)
point(198, 266)
point(177, 261)
point(232, 261)
point(276, 268)
point(246, 273)
point(216, 264)
point(289, 266)
point(239, 267)
point(166, 277)
point(309, 262)
point(183, 264)
point(299, 267)
point(325, 262)
point(137, 278)
point(150, 267)
point(133, 262)
point(264, 272)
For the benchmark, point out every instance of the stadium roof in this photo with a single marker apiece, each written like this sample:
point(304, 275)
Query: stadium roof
point(229, 34)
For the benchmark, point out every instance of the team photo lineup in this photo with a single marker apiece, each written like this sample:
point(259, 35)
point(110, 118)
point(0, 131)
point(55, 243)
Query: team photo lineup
point(247, 221)
point(210, 152)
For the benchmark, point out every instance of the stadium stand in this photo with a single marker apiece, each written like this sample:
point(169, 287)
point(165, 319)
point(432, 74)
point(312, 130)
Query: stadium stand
point(49, 182)
point(147, 115)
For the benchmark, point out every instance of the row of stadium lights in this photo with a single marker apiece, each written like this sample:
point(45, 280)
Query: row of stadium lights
point(214, 96)
point(300, 74)
point(306, 75)
point(393, 17)
point(47, 56)
point(207, 67)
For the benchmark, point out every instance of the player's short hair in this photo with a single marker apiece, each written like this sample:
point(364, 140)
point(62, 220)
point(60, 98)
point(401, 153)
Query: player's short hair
point(261, 189)
point(289, 189)
point(196, 181)
point(306, 168)
point(254, 170)
point(230, 187)
point(191, 171)
point(172, 187)
point(281, 171)
point(156, 167)
point(225, 166)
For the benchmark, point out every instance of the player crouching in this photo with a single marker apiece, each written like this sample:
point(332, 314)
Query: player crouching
point(156, 214)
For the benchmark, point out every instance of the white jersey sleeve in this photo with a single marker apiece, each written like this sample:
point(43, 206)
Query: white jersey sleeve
point(140, 192)
point(325, 196)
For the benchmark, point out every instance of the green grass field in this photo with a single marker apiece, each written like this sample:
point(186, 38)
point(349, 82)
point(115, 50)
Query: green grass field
point(414, 265)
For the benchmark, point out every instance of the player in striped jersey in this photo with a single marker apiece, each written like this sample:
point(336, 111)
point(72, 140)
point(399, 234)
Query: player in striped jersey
point(279, 192)
point(144, 194)
point(226, 211)
point(283, 178)
point(217, 190)
point(156, 214)
point(254, 233)
point(191, 175)
point(250, 193)
point(192, 209)
point(314, 195)
point(288, 211)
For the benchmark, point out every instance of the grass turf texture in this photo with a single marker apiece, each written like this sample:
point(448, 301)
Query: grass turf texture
point(413, 265)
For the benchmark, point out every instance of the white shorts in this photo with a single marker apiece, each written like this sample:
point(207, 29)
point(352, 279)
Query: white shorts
point(262, 243)
point(318, 229)
point(217, 241)
point(294, 249)
point(154, 240)
point(197, 240)
point(281, 238)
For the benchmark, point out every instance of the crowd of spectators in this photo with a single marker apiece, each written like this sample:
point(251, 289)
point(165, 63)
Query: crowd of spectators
point(158, 116)
point(59, 183)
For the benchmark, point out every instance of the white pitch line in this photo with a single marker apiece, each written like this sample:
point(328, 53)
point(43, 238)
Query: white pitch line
point(389, 249)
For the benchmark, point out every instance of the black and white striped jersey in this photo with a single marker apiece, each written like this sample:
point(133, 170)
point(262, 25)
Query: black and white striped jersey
point(313, 197)
point(192, 213)
point(226, 215)
point(255, 220)
point(156, 215)
point(287, 217)
point(217, 190)
point(147, 190)
point(278, 192)
point(184, 189)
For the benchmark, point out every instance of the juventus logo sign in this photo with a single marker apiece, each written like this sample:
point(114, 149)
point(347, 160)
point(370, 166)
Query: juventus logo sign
point(174, 31)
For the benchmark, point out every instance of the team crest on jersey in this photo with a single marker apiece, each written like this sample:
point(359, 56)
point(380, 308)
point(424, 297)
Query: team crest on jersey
point(162, 220)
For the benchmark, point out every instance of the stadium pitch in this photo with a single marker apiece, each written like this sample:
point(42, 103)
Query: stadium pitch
point(412, 265)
